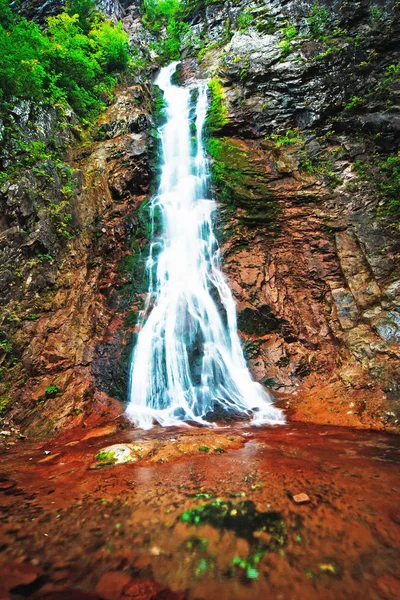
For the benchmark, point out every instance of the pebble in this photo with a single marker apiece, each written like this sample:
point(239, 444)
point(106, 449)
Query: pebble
point(301, 498)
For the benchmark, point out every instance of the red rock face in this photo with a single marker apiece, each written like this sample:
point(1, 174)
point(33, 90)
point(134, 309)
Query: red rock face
point(308, 302)
point(307, 298)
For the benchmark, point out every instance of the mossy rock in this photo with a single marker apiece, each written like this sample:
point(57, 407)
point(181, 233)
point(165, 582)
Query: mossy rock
point(239, 177)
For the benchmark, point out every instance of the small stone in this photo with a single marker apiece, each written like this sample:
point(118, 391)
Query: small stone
point(301, 498)
point(6, 485)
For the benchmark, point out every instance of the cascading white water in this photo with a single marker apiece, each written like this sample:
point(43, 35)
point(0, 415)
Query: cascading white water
point(188, 362)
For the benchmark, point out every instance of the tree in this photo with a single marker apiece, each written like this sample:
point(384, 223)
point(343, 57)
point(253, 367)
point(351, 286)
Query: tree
point(84, 9)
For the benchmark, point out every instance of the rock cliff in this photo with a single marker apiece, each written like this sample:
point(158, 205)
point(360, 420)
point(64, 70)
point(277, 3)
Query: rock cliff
point(308, 219)
point(304, 153)
point(68, 247)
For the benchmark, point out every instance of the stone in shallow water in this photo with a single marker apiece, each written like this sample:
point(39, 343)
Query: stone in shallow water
point(118, 453)
point(301, 498)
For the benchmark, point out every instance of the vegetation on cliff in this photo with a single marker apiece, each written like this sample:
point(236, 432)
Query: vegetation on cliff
point(74, 60)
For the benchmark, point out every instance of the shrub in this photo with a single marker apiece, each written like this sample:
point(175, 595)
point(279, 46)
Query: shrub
point(244, 21)
point(68, 62)
point(288, 34)
point(84, 9)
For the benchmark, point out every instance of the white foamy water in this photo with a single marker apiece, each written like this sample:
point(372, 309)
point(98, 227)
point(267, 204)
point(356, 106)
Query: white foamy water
point(188, 361)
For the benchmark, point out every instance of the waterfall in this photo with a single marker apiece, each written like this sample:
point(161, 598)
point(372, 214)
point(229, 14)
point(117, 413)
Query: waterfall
point(188, 364)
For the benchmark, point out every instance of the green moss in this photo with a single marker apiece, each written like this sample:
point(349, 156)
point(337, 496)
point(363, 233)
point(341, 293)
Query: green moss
point(239, 179)
point(389, 185)
point(159, 105)
point(204, 449)
point(131, 318)
point(217, 115)
point(106, 457)
point(384, 173)
point(5, 402)
point(51, 391)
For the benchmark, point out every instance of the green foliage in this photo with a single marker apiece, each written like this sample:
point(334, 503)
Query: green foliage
point(384, 172)
point(243, 21)
point(84, 9)
point(267, 26)
point(45, 257)
point(168, 14)
point(288, 34)
point(203, 495)
point(22, 73)
point(72, 60)
point(389, 185)
point(6, 15)
point(5, 402)
point(171, 47)
point(291, 137)
point(217, 115)
point(52, 390)
point(375, 13)
point(106, 457)
point(354, 102)
point(111, 44)
point(204, 449)
point(5, 347)
point(318, 21)
point(248, 564)
point(157, 13)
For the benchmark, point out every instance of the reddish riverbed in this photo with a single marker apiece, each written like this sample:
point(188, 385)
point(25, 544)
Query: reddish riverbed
point(71, 529)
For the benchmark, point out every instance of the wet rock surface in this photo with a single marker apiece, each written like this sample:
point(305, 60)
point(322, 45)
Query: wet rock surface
point(295, 510)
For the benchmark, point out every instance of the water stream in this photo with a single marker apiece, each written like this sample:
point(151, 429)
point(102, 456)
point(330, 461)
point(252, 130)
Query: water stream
point(188, 364)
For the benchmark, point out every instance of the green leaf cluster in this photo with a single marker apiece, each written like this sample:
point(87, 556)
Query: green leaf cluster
point(317, 22)
point(74, 60)
point(168, 15)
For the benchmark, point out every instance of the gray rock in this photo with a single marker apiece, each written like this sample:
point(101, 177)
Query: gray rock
point(346, 307)
point(388, 327)
point(259, 52)
point(21, 110)
point(393, 290)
